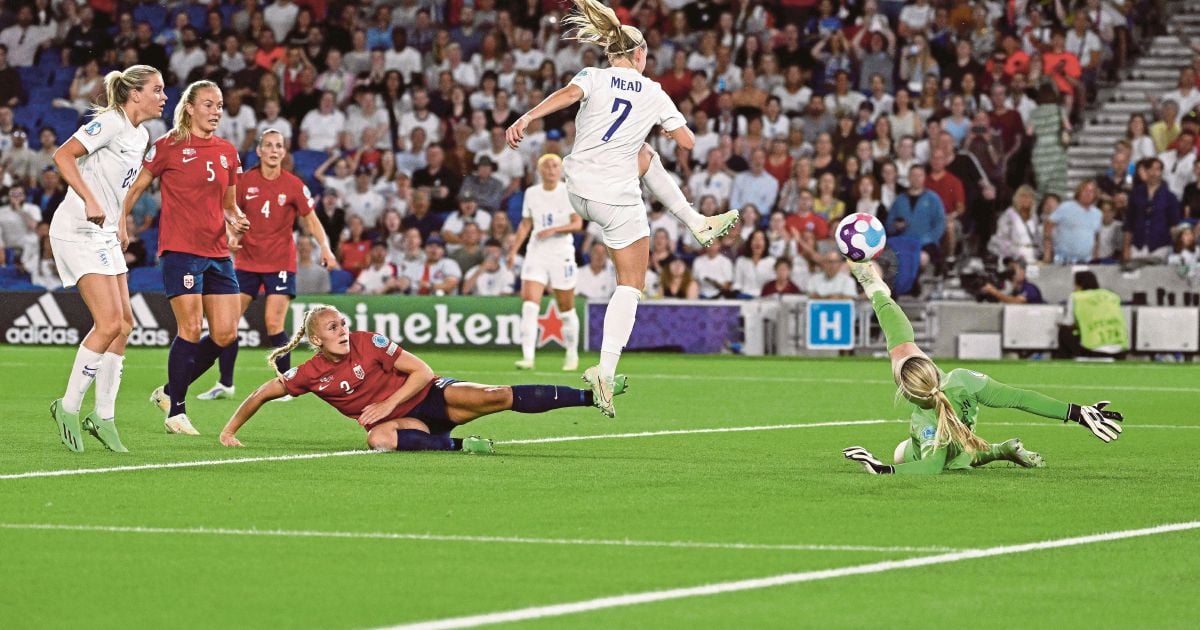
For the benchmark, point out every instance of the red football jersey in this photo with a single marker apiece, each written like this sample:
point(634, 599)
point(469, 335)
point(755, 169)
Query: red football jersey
point(195, 174)
point(367, 375)
point(272, 206)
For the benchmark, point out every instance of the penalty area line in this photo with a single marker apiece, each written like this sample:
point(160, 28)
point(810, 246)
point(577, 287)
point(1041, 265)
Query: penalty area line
point(633, 599)
point(521, 540)
point(210, 462)
point(765, 427)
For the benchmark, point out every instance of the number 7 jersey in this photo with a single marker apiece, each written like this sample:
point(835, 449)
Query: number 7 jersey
point(618, 109)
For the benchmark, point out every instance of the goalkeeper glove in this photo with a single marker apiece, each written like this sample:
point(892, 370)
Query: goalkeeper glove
point(864, 457)
point(1097, 420)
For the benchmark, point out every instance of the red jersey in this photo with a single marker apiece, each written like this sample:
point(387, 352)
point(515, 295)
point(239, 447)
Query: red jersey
point(809, 222)
point(367, 375)
point(195, 174)
point(949, 189)
point(272, 206)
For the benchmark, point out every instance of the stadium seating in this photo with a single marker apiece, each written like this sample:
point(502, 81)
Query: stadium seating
point(63, 120)
point(145, 279)
point(152, 13)
point(150, 239)
point(340, 280)
point(306, 162)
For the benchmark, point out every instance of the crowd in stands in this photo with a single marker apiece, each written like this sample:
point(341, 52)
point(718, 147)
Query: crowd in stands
point(947, 119)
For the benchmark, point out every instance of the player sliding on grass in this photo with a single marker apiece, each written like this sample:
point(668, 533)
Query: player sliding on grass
point(945, 406)
point(393, 394)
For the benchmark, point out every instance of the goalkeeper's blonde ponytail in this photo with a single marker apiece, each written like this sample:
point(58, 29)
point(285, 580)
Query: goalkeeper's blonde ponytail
point(595, 23)
point(920, 381)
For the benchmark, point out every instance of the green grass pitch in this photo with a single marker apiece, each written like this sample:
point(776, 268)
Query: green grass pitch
point(385, 539)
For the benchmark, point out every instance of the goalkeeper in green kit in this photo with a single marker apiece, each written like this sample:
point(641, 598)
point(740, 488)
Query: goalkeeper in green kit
point(946, 406)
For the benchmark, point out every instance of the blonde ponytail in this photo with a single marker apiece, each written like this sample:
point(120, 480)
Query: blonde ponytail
point(307, 327)
point(920, 381)
point(119, 84)
point(183, 120)
point(595, 23)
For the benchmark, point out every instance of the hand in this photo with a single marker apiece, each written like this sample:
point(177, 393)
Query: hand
point(234, 239)
point(227, 439)
point(546, 233)
point(511, 260)
point(864, 457)
point(516, 132)
point(375, 412)
point(989, 192)
point(237, 221)
point(989, 289)
point(328, 260)
point(95, 214)
point(1097, 420)
point(123, 236)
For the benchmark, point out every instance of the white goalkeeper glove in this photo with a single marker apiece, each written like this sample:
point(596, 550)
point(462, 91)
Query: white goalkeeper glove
point(864, 457)
point(1102, 424)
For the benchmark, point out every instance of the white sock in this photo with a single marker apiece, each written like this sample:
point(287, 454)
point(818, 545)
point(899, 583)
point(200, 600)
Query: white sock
point(108, 381)
point(571, 333)
point(83, 372)
point(529, 329)
point(618, 325)
point(670, 196)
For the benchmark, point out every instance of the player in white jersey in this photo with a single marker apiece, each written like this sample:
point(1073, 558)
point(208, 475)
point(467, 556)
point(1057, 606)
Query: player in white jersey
point(549, 260)
point(618, 107)
point(88, 237)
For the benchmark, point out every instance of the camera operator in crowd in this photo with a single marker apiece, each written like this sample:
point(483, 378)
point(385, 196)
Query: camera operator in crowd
point(1015, 287)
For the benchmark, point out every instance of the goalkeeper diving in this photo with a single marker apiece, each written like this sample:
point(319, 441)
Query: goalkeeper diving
point(945, 407)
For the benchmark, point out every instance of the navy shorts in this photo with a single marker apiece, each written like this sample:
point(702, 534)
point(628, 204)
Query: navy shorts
point(432, 411)
point(189, 274)
point(278, 283)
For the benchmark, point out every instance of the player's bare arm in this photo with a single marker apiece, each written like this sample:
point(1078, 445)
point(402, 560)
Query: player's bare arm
point(419, 375)
point(560, 99)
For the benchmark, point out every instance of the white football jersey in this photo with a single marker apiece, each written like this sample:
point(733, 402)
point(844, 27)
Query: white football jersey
point(547, 209)
point(619, 107)
point(115, 149)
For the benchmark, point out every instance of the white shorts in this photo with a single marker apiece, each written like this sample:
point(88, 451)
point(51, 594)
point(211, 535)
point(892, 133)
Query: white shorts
point(76, 259)
point(556, 272)
point(622, 225)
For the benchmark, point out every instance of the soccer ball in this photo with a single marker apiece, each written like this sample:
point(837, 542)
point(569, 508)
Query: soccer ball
point(860, 237)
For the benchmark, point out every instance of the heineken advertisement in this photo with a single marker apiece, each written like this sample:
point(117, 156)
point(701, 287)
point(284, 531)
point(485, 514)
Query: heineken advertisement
point(416, 321)
point(61, 318)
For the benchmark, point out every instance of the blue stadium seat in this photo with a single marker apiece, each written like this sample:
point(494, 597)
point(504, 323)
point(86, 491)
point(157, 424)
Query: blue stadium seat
point(340, 280)
point(173, 94)
point(306, 162)
point(27, 116)
point(63, 120)
point(145, 280)
point(32, 76)
point(152, 13)
point(150, 239)
point(249, 160)
point(227, 10)
point(197, 16)
point(43, 95)
point(49, 59)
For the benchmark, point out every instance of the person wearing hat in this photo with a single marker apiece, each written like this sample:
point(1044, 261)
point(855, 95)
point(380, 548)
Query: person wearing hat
point(439, 275)
point(510, 168)
point(468, 212)
point(379, 276)
point(23, 162)
point(484, 185)
point(363, 199)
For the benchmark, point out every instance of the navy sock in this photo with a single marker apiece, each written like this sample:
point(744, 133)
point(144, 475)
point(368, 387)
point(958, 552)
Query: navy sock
point(180, 361)
point(284, 362)
point(414, 440)
point(207, 352)
point(225, 363)
point(541, 398)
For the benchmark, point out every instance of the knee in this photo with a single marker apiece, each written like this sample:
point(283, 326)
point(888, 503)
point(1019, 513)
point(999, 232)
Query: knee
point(499, 397)
point(382, 439)
point(190, 329)
point(109, 328)
point(126, 324)
point(223, 338)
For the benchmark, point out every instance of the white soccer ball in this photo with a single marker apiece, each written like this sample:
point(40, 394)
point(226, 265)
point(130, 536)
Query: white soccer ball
point(860, 237)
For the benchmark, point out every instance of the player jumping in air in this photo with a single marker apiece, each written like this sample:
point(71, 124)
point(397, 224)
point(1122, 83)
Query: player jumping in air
point(200, 224)
point(88, 237)
point(945, 406)
point(549, 260)
point(393, 394)
point(618, 107)
point(273, 199)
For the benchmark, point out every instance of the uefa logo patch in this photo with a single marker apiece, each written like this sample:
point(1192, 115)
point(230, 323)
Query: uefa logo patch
point(92, 128)
point(379, 341)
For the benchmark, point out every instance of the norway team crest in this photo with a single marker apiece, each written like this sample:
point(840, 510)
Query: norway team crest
point(282, 200)
point(359, 372)
point(189, 281)
point(224, 161)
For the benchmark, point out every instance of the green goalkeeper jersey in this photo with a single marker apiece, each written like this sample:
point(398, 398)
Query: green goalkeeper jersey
point(967, 391)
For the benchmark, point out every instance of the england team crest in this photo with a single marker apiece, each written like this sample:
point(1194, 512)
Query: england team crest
point(359, 372)
point(282, 199)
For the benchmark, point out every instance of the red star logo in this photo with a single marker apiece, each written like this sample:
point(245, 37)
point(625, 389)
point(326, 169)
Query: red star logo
point(551, 325)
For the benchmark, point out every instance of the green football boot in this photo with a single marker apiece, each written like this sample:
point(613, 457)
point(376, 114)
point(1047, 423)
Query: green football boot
point(475, 445)
point(603, 392)
point(715, 227)
point(105, 431)
point(1015, 452)
point(69, 430)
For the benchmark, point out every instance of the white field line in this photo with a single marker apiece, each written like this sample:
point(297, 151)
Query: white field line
point(841, 381)
point(523, 540)
point(211, 462)
point(550, 440)
point(633, 599)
